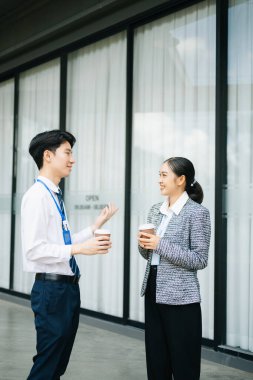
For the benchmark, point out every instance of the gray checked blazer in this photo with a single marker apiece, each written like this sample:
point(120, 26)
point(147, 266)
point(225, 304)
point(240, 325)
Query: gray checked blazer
point(183, 251)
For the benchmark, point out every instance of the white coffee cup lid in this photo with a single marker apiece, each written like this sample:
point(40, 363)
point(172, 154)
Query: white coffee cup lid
point(102, 232)
point(147, 226)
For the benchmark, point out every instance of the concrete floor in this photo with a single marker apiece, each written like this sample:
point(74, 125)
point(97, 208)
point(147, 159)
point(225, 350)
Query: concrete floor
point(102, 351)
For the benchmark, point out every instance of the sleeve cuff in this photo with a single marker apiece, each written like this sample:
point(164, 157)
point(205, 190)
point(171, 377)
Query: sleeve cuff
point(160, 247)
point(66, 254)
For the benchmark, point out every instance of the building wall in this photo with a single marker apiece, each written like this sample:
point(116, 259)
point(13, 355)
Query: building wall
point(135, 82)
point(41, 29)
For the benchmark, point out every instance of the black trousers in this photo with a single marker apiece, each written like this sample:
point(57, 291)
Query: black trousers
point(56, 309)
point(172, 337)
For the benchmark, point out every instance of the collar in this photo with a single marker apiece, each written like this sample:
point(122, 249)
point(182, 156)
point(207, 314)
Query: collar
point(49, 184)
point(176, 207)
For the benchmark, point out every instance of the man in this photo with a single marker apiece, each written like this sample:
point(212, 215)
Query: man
point(49, 251)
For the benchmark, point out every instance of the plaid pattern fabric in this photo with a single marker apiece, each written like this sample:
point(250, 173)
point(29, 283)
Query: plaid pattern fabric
point(183, 251)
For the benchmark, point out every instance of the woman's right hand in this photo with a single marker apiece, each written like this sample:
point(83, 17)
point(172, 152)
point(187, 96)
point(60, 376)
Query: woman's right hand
point(148, 241)
point(94, 246)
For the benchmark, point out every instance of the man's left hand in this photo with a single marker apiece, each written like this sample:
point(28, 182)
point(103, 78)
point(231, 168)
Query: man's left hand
point(105, 215)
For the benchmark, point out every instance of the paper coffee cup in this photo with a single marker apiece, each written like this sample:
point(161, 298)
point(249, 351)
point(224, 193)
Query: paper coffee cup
point(149, 228)
point(98, 233)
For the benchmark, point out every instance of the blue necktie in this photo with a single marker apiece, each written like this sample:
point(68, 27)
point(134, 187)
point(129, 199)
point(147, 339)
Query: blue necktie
point(72, 261)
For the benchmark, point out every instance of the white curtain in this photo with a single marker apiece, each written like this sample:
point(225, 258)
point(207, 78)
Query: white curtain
point(6, 152)
point(173, 115)
point(39, 91)
point(240, 177)
point(96, 103)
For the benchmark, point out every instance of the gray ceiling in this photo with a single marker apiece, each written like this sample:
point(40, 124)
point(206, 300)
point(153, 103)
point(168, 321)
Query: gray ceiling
point(10, 8)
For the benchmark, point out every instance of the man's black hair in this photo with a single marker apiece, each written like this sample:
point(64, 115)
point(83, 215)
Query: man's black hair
point(50, 140)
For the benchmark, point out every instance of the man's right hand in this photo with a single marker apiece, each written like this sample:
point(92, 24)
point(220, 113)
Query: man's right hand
point(94, 246)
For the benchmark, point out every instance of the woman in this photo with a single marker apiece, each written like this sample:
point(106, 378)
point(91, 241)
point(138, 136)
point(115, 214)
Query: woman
point(173, 326)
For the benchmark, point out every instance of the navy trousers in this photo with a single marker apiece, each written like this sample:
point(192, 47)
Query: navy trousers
point(172, 337)
point(56, 307)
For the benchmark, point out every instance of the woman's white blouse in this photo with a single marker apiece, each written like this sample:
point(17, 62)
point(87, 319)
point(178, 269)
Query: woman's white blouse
point(167, 215)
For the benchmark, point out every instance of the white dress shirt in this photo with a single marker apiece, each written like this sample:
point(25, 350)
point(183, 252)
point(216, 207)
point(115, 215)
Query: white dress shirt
point(44, 250)
point(167, 215)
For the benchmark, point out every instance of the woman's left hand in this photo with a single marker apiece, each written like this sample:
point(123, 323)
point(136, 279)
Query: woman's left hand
point(148, 241)
point(105, 215)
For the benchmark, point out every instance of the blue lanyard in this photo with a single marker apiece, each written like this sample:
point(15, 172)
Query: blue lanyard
point(65, 229)
point(63, 217)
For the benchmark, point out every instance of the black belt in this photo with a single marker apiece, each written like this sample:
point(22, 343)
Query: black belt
point(57, 277)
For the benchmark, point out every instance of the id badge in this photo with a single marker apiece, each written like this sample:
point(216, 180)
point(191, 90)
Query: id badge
point(66, 233)
point(66, 237)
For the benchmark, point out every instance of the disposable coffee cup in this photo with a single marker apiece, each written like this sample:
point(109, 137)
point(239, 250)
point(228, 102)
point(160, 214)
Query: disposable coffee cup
point(98, 233)
point(149, 228)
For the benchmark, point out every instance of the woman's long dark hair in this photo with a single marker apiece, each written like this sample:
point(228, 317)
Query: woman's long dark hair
point(183, 166)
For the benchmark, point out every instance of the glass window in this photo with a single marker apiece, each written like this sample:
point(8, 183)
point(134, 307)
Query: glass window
point(6, 153)
point(240, 176)
point(39, 91)
point(173, 115)
point(96, 104)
